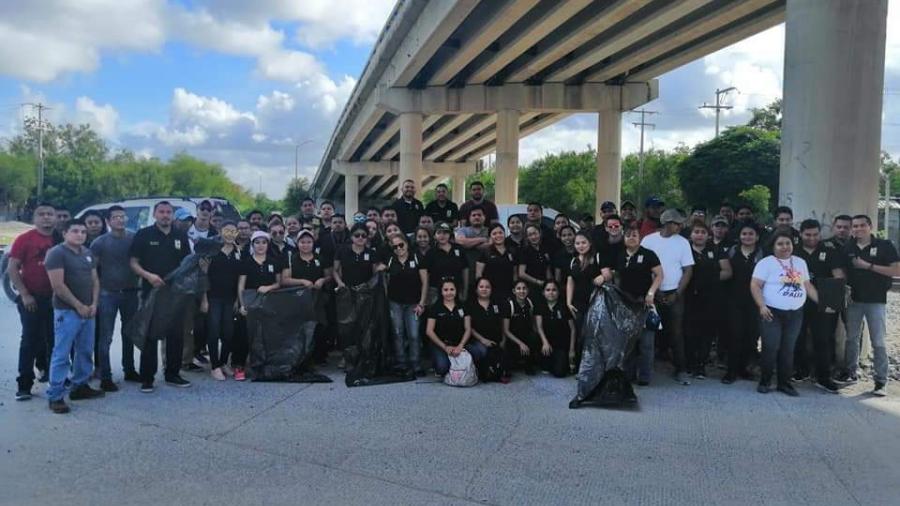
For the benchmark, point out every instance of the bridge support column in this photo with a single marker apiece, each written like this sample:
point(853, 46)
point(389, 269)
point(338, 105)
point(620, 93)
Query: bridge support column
point(459, 189)
point(410, 150)
point(833, 84)
point(506, 185)
point(351, 196)
point(609, 159)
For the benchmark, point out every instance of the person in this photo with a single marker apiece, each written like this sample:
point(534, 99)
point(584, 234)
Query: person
point(407, 293)
point(586, 222)
point(183, 220)
point(628, 213)
point(556, 329)
point(373, 214)
point(742, 310)
point(841, 232)
point(475, 235)
point(449, 328)
point(818, 326)
point(62, 217)
point(72, 271)
point(216, 220)
point(784, 220)
point(408, 207)
point(534, 215)
point(307, 207)
point(561, 220)
point(307, 269)
point(356, 263)
point(442, 209)
point(29, 277)
point(423, 241)
point(638, 275)
point(93, 220)
point(518, 330)
point(780, 286)
point(564, 256)
point(698, 215)
point(476, 190)
point(721, 327)
point(260, 272)
point(726, 210)
point(447, 261)
point(585, 272)
point(156, 251)
point(292, 228)
point(326, 214)
point(534, 260)
point(118, 294)
point(711, 268)
point(280, 248)
point(610, 244)
point(677, 262)
point(607, 209)
point(497, 264)
point(426, 221)
point(719, 233)
point(202, 228)
point(388, 216)
point(487, 316)
point(871, 264)
point(255, 218)
point(243, 237)
point(338, 235)
point(516, 237)
point(650, 222)
point(743, 216)
point(219, 301)
point(374, 239)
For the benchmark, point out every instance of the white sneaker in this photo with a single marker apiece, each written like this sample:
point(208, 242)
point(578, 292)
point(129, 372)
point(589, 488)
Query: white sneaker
point(682, 378)
point(227, 370)
point(217, 374)
point(880, 390)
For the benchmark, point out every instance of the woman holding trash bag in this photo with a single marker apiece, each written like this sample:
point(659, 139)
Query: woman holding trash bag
point(497, 264)
point(407, 290)
point(260, 272)
point(219, 301)
point(487, 317)
point(743, 313)
point(449, 328)
point(557, 332)
point(780, 285)
point(585, 273)
point(521, 344)
point(307, 270)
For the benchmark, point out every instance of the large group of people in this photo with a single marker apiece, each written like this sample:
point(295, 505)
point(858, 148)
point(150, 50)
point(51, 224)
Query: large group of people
point(724, 290)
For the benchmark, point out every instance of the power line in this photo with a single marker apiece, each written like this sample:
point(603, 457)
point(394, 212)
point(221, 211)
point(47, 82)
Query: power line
point(643, 123)
point(40, 114)
point(719, 107)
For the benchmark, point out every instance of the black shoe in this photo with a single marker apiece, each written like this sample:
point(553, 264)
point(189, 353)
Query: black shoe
point(788, 390)
point(23, 394)
point(728, 379)
point(420, 373)
point(746, 375)
point(879, 390)
point(847, 378)
point(45, 377)
point(574, 404)
point(132, 377)
point(147, 387)
point(59, 407)
point(530, 371)
point(200, 360)
point(177, 381)
point(84, 392)
point(763, 388)
point(192, 367)
point(828, 385)
point(108, 386)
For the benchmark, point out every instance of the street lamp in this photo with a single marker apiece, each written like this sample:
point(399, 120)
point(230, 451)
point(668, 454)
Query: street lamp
point(297, 156)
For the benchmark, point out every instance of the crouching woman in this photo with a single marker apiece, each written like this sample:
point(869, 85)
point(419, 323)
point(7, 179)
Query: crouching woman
point(449, 328)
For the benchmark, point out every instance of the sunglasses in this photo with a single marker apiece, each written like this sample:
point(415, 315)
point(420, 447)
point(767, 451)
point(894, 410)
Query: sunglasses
point(399, 246)
point(359, 236)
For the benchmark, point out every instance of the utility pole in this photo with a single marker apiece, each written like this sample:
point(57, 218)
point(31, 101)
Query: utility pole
point(643, 123)
point(40, 114)
point(718, 107)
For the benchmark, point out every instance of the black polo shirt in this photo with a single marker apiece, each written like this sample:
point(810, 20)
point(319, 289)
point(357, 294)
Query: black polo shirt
point(356, 268)
point(487, 321)
point(157, 252)
point(562, 260)
point(223, 274)
point(499, 269)
point(536, 261)
point(283, 254)
point(865, 285)
point(742, 272)
point(446, 264)
point(449, 325)
point(405, 285)
point(583, 278)
point(449, 213)
point(325, 251)
point(820, 262)
point(514, 246)
point(408, 214)
point(636, 272)
point(610, 253)
point(260, 274)
point(705, 276)
point(521, 318)
point(555, 322)
point(310, 270)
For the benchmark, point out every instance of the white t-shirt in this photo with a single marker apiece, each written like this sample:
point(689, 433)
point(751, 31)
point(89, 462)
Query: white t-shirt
point(783, 288)
point(674, 253)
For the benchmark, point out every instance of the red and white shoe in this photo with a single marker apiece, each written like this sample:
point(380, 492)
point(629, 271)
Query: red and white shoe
point(239, 374)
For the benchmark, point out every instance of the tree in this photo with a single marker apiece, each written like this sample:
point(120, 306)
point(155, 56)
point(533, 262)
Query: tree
point(759, 197)
point(766, 118)
point(890, 168)
point(563, 181)
point(18, 178)
point(297, 190)
point(660, 177)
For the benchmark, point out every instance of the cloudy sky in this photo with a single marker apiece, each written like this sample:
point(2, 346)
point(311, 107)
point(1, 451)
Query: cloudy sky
point(241, 83)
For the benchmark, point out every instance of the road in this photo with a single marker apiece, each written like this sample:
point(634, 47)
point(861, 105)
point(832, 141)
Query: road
point(425, 443)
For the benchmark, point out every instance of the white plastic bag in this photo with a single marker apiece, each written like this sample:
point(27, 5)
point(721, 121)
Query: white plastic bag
point(462, 371)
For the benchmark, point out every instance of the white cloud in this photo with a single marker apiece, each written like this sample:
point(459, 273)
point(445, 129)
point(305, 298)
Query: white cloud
point(102, 118)
point(290, 66)
point(207, 112)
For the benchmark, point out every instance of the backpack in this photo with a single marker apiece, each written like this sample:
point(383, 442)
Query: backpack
point(462, 371)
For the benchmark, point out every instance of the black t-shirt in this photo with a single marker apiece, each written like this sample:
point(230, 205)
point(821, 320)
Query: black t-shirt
point(865, 285)
point(535, 261)
point(610, 253)
point(555, 322)
point(223, 274)
point(499, 269)
point(408, 214)
point(356, 268)
point(521, 322)
point(742, 271)
point(405, 285)
point(443, 265)
point(705, 275)
point(561, 261)
point(310, 270)
point(636, 272)
point(487, 321)
point(583, 277)
point(449, 325)
point(260, 274)
point(157, 252)
point(447, 214)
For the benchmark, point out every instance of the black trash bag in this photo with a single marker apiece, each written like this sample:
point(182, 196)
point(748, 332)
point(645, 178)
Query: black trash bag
point(365, 331)
point(165, 306)
point(280, 329)
point(611, 330)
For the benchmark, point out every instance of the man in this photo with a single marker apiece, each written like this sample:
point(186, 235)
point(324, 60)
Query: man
point(29, 277)
point(388, 216)
point(784, 219)
point(243, 239)
point(216, 220)
point(818, 325)
point(534, 215)
point(870, 263)
point(307, 207)
point(425, 221)
point(698, 215)
point(720, 228)
point(744, 215)
point(255, 217)
point(677, 262)
point(607, 209)
point(442, 209)
point(610, 244)
point(650, 222)
point(156, 251)
point(726, 210)
point(473, 238)
point(374, 214)
point(586, 222)
point(719, 242)
point(408, 207)
point(326, 213)
point(202, 228)
point(476, 190)
point(118, 294)
point(62, 217)
point(628, 214)
point(183, 220)
point(840, 230)
point(76, 291)
point(447, 260)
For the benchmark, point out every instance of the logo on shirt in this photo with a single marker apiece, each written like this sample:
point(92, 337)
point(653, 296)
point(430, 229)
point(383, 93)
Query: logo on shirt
point(460, 312)
point(456, 252)
point(448, 213)
point(710, 255)
point(317, 262)
point(640, 259)
point(271, 268)
point(366, 257)
point(88, 258)
point(822, 256)
point(412, 264)
point(177, 243)
point(873, 251)
point(154, 243)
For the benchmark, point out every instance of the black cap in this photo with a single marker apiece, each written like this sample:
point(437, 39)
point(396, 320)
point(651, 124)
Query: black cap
point(607, 205)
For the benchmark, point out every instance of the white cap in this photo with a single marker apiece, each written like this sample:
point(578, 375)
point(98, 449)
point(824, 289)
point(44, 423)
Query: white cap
point(259, 233)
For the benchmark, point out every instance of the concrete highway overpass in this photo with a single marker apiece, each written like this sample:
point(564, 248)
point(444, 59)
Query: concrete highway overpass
point(450, 81)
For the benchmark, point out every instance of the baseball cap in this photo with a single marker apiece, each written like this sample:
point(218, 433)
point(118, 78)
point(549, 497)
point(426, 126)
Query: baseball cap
point(182, 214)
point(698, 209)
point(719, 219)
point(654, 202)
point(259, 233)
point(628, 203)
point(306, 233)
point(671, 216)
point(607, 205)
point(443, 227)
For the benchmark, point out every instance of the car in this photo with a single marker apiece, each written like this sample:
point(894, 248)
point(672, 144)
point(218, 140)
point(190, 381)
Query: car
point(140, 210)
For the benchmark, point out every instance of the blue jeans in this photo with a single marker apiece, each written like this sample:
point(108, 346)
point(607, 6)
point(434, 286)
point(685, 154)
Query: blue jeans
point(779, 337)
point(646, 342)
point(121, 303)
point(874, 314)
point(441, 361)
point(405, 328)
point(72, 333)
point(37, 339)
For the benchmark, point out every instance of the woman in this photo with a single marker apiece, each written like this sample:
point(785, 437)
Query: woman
point(279, 247)
point(407, 291)
point(357, 263)
point(743, 313)
point(497, 264)
point(780, 286)
point(423, 241)
point(307, 269)
point(556, 330)
point(639, 275)
point(260, 272)
point(95, 225)
point(585, 274)
point(516, 237)
point(391, 230)
point(711, 268)
point(563, 258)
point(487, 328)
point(374, 239)
point(534, 261)
point(449, 328)
point(292, 225)
point(219, 301)
point(559, 222)
point(518, 329)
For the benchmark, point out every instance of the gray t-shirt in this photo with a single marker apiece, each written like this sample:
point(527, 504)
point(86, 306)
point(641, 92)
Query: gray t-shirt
point(112, 260)
point(78, 271)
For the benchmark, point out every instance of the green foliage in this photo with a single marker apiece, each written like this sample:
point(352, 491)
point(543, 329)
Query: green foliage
point(768, 117)
point(297, 190)
point(660, 177)
point(892, 169)
point(759, 197)
point(563, 181)
point(18, 177)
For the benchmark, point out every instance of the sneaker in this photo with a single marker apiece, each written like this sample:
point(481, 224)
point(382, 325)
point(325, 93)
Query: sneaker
point(682, 377)
point(239, 374)
point(23, 394)
point(729, 379)
point(147, 387)
point(763, 388)
point(192, 367)
point(84, 392)
point(505, 380)
point(643, 383)
point(828, 386)
point(200, 360)
point(217, 374)
point(788, 389)
point(132, 377)
point(44, 377)
point(880, 389)
point(700, 374)
point(800, 376)
point(108, 386)
point(227, 370)
point(847, 378)
point(177, 381)
point(59, 407)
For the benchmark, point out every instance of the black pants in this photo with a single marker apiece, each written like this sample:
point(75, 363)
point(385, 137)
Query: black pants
point(672, 316)
point(699, 327)
point(240, 344)
point(721, 326)
point(817, 334)
point(512, 356)
point(37, 339)
point(174, 339)
point(219, 327)
point(744, 334)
